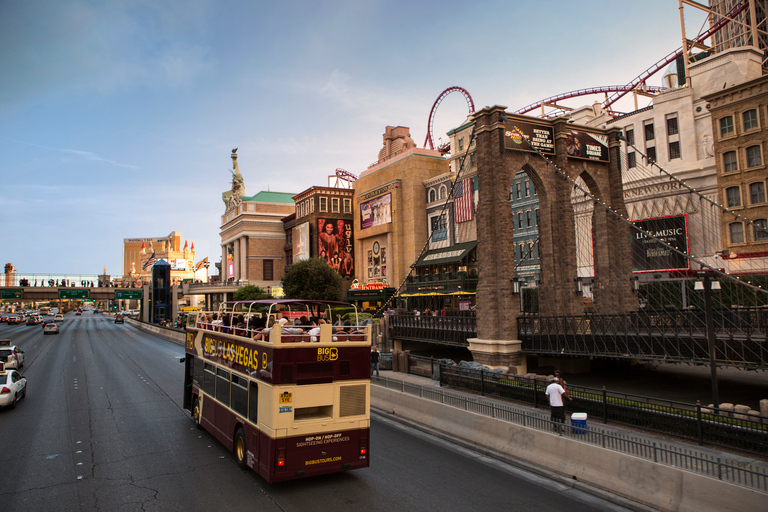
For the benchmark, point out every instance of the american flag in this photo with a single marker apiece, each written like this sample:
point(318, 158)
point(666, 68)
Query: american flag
point(151, 261)
point(462, 201)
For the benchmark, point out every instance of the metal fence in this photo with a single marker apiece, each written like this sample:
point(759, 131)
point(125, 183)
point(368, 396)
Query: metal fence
point(707, 426)
point(729, 470)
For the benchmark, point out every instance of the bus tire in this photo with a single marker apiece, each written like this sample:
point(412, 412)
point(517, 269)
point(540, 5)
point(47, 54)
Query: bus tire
point(196, 414)
point(241, 449)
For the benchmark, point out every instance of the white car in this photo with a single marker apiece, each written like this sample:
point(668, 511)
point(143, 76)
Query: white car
point(58, 318)
point(11, 355)
point(50, 328)
point(13, 387)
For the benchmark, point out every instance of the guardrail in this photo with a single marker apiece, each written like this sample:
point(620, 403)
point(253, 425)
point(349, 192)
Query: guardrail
point(732, 471)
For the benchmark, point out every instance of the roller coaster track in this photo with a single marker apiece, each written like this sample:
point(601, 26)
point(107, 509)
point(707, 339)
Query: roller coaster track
point(470, 104)
point(585, 92)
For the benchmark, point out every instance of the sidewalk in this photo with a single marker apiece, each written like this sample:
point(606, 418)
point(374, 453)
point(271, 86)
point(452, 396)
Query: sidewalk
point(743, 461)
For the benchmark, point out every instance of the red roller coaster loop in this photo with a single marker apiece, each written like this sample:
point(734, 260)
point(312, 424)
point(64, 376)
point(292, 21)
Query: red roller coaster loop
point(345, 175)
point(470, 104)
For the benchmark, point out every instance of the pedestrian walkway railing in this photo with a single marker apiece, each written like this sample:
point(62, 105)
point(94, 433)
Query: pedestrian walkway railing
point(739, 472)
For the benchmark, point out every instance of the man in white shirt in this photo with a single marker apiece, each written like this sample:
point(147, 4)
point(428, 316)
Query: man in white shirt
point(555, 392)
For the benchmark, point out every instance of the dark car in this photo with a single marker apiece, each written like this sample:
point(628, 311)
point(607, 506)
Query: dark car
point(119, 319)
point(33, 320)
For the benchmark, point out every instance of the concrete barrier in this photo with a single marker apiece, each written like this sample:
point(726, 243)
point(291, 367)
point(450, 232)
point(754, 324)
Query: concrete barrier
point(640, 481)
point(179, 337)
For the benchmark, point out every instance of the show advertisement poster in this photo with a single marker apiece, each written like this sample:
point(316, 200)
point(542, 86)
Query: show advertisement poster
point(648, 255)
point(589, 146)
point(335, 246)
point(539, 136)
point(376, 212)
point(300, 237)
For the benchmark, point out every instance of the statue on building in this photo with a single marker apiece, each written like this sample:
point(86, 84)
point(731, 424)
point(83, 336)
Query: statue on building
point(234, 197)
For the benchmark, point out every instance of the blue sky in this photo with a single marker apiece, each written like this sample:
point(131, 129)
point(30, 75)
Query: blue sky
point(117, 118)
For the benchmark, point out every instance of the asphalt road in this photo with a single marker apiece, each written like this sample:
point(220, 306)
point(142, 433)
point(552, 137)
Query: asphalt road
point(102, 428)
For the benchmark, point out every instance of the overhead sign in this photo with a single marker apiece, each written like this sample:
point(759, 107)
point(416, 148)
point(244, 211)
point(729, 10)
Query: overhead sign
point(11, 294)
point(649, 255)
point(129, 294)
point(538, 136)
point(73, 294)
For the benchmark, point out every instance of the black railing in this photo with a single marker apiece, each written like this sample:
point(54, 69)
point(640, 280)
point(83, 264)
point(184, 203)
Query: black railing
point(707, 426)
point(740, 336)
point(448, 330)
point(441, 283)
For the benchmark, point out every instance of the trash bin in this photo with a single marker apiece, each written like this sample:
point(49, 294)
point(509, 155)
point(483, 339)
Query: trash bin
point(579, 423)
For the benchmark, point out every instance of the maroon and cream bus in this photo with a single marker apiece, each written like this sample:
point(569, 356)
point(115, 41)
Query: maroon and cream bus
point(290, 395)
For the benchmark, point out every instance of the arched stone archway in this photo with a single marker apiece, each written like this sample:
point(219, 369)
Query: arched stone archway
point(577, 151)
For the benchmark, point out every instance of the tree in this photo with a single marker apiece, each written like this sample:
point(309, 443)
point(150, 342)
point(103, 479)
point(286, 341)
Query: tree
point(312, 279)
point(250, 292)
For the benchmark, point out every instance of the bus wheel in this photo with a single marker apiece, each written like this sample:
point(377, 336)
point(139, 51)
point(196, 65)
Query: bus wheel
point(196, 414)
point(240, 448)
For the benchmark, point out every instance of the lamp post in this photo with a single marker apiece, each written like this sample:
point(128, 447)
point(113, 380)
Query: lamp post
point(706, 285)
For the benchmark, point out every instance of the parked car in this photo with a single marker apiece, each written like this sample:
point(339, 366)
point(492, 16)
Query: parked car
point(119, 318)
point(11, 355)
point(50, 328)
point(13, 387)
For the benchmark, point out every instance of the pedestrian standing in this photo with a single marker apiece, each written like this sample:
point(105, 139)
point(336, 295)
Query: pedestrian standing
point(375, 360)
point(555, 392)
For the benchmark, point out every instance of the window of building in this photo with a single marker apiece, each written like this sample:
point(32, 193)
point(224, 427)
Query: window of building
point(335, 204)
point(736, 230)
point(674, 150)
point(461, 143)
point(733, 197)
point(757, 193)
point(312, 205)
point(268, 272)
point(726, 126)
point(522, 255)
point(761, 230)
point(754, 156)
point(649, 133)
point(347, 206)
point(730, 163)
point(520, 219)
point(630, 136)
point(528, 218)
point(536, 217)
point(527, 186)
point(651, 152)
point(443, 191)
point(750, 120)
point(517, 187)
point(438, 225)
point(472, 160)
point(432, 195)
point(672, 128)
point(631, 160)
point(323, 204)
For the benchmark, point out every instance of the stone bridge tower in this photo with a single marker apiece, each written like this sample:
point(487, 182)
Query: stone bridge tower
point(503, 149)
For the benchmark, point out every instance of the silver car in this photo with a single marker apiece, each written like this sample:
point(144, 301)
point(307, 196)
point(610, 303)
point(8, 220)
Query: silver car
point(50, 328)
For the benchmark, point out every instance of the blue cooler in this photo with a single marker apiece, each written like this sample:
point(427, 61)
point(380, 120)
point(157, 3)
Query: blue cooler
point(579, 422)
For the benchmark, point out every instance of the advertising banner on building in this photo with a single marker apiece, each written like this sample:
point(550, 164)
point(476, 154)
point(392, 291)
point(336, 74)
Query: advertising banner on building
point(589, 146)
point(335, 245)
point(301, 242)
point(376, 212)
point(539, 136)
point(648, 255)
point(178, 264)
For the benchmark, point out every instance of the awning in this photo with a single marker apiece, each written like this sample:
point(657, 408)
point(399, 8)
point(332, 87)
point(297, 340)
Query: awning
point(446, 254)
point(433, 294)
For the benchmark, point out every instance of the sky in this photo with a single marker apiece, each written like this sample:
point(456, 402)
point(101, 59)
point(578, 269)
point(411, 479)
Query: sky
point(117, 118)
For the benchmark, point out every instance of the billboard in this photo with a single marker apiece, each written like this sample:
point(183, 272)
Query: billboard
point(589, 146)
point(301, 242)
point(648, 255)
point(376, 212)
point(539, 136)
point(335, 245)
point(178, 264)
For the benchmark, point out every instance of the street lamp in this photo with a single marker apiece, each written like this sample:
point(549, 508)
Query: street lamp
point(706, 285)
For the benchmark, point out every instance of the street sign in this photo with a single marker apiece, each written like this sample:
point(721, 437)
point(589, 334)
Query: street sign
point(73, 294)
point(11, 294)
point(129, 294)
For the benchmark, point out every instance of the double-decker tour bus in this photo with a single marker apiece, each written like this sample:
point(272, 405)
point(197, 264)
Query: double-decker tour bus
point(278, 384)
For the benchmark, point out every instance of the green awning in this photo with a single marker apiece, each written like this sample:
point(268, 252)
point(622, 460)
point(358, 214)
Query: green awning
point(446, 254)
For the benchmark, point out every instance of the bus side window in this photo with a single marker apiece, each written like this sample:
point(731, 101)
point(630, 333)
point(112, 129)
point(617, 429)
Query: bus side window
point(239, 395)
point(253, 403)
point(222, 386)
point(209, 379)
point(198, 377)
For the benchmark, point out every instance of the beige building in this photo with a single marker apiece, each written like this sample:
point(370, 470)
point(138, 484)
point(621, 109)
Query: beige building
point(389, 205)
point(137, 253)
point(252, 234)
